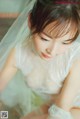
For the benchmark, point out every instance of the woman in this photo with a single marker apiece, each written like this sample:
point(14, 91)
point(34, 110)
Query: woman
point(48, 56)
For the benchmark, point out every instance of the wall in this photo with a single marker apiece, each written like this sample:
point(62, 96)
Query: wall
point(11, 6)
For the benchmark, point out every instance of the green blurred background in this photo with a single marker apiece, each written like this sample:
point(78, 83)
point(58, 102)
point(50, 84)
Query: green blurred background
point(9, 10)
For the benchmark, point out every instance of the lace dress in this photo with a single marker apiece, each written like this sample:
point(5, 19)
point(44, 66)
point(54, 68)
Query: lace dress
point(38, 79)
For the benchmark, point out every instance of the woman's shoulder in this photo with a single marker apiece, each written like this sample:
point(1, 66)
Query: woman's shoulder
point(74, 52)
point(75, 49)
point(71, 56)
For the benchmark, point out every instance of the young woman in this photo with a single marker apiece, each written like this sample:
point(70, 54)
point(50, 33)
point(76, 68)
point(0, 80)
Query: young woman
point(46, 64)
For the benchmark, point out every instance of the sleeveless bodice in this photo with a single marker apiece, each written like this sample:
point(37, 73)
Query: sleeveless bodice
point(45, 76)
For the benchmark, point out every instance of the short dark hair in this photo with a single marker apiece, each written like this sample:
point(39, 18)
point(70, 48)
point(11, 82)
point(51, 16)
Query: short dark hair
point(45, 12)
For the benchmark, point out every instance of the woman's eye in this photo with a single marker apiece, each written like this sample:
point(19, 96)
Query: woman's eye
point(66, 43)
point(44, 39)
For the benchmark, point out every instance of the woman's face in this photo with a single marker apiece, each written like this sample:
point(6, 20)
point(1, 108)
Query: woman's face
point(48, 47)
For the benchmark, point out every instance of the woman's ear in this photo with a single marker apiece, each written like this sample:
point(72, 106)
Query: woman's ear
point(29, 23)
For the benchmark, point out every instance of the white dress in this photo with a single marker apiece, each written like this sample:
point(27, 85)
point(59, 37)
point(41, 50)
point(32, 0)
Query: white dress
point(44, 78)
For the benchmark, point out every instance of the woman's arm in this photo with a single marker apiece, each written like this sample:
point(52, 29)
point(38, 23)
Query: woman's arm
point(70, 88)
point(64, 103)
point(8, 71)
point(65, 99)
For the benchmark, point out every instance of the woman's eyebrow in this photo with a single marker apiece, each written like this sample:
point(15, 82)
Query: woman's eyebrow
point(71, 38)
point(46, 34)
point(52, 38)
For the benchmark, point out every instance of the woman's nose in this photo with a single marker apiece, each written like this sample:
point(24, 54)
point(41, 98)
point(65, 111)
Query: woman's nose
point(50, 50)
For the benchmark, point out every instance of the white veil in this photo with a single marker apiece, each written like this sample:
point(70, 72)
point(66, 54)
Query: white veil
point(17, 91)
point(16, 34)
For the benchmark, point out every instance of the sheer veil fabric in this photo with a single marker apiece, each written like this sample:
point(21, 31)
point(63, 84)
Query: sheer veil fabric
point(18, 32)
point(17, 93)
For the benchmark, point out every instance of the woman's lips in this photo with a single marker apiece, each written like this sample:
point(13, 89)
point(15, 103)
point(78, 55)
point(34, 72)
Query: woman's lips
point(46, 56)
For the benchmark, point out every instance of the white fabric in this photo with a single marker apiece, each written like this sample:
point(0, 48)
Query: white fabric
point(45, 78)
point(17, 90)
point(56, 112)
point(17, 33)
point(48, 76)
